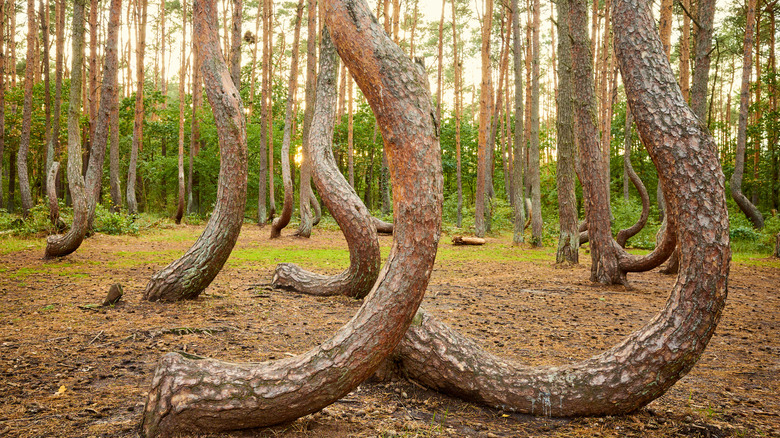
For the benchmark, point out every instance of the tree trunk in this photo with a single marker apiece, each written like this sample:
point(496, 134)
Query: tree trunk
point(649, 361)
point(24, 141)
point(3, 7)
point(93, 85)
point(458, 113)
point(604, 256)
point(262, 194)
point(138, 121)
point(519, 149)
point(287, 208)
point(193, 196)
point(568, 242)
point(44, 17)
point(350, 133)
point(757, 112)
point(742, 201)
point(665, 26)
point(51, 191)
point(328, 372)
point(269, 114)
point(182, 76)
point(627, 136)
point(114, 181)
point(485, 98)
point(235, 44)
point(340, 198)
point(188, 276)
point(630, 174)
point(701, 72)
point(440, 62)
point(306, 197)
point(58, 246)
point(685, 52)
point(108, 102)
point(533, 165)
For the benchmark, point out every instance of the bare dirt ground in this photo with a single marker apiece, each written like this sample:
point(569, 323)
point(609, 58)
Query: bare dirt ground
point(69, 368)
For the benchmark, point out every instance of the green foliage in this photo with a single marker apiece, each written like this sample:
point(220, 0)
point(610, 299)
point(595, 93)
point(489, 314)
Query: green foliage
point(626, 213)
point(113, 223)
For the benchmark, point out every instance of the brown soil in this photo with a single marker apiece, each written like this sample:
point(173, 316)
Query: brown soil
point(70, 368)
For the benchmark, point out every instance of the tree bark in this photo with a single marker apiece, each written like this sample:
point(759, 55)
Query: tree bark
point(649, 361)
point(701, 72)
point(114, 180)
point(350, 134)
point(344, 204)
point(440, 62)
point(138, 121)
point(182, 75)
point(382, 226)
point(235, 45)
point(262, 193)
point(188, 276)
point(44, 17)
point(533, 165)
point(59, 245)
point(276, 392)
point(51, 191)
point(742, 201)
point(3, 7)
point(458, 113)
point(485, 98)
point(665, 26)
point(685, 52)
point(568, 242)
point(269, 114)
point(24, 141)
point(306, 197)
point(193, 195)
point(519, 144)
point(287, 208)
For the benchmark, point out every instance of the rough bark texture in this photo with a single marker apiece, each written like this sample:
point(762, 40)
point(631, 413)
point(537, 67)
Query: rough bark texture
point(113, 162)
point(701, 71)
point(685, 52)
point(59, 245)
point(344, 204)
point(3, 7)
point(182, 75)
point(138, 121)
point(51, 191)
point(458, 105)
point(382, 226)
point(188, 276)
point(742, 201)
point(533, 156)
point(287, 208)
point(207, 395)
point(604, 267)
point(235, 43)
point(193, 198)
point(24, 141)
point(568, 242)
point(485, 97)
point(108, 100)
point(307, 198)
point(649, 361)
point(518, 154)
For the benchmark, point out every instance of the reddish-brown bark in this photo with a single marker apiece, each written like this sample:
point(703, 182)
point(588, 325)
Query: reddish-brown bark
point(307, 198)
point(206, 395)
point(188, 276)
point(24, 141)
point(341, 200)
point(182, 76)
point(649, 361)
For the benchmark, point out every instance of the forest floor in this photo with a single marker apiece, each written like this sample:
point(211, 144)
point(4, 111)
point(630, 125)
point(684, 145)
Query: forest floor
point(71, 368)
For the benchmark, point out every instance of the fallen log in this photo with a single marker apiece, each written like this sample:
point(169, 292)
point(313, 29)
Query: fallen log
point(461, 240)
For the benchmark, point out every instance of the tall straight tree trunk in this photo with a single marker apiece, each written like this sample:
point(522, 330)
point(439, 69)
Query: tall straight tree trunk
point(458, 105)
point(269, 114)
point(328, 372)
point(3, 7)
point(384, 178)
point(569, 240)
point(262, 171)
point(93, 80)
point(533, 166)
point(701, 72)
point(773, 127)
point(24, 141)
point(350, 134)
point(163, 53)
point(188, 276)
point(114, 180)
point(685, 53)
point(57, 246)
point(253, 76)
point(665, 25)
point(627, 151)
point(305, 192)
point(519, 146)
point(743, 202)
point(182, 75)
point(758, 113)
point(485, 98)
point(138, 121)
point(287, 208)
point(441, 62)
point(235, 43)
point(193, 193)
point(44, 17)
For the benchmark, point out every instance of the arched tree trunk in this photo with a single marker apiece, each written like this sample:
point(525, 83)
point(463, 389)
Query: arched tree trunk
point(742, 201)
point(340, 198)
point(568, 242)
point(649, 361)
point(202, 395)
point(188, 276)
point(287, 208)
point(59, 245)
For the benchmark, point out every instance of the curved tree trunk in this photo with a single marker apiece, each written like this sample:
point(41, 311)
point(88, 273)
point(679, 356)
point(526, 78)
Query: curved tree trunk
point(624, 235)
point(207, 395)
point(742, 201)
point(59, 245)
point(649, 361)
point(51, 192)
point(24, 141)
point(108, 102)
point(188, 276)
point(307, 199)
point(340, 198)
point(568, 242)
point(315, 205)
point(287, 208)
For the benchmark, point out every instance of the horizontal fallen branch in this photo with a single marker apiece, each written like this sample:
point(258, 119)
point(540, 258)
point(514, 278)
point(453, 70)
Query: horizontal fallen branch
point(461, 240)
